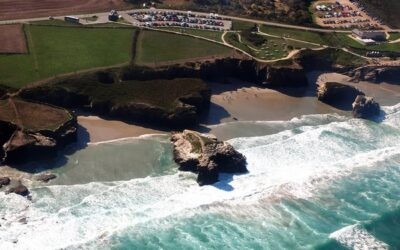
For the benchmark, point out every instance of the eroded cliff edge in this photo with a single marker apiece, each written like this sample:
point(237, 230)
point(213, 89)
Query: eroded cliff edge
point(29, 130)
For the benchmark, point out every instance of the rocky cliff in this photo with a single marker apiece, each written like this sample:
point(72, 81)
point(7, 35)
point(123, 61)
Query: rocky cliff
point(337, 94)
point(376, 73)
point(221, 69)
point(31, 130)
point(205, 155)
point(173, 103)
point(366, 108)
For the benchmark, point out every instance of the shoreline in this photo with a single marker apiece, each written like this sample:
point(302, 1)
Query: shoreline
point(238, 101)
point(230, 104)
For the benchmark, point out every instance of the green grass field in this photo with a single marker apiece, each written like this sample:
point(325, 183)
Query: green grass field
point(308, 36)
point(273, 48)
point(241, 25)
point(55, 22)
point(159, 47)
point(331, 39)
point(394, 36)
point(208, 34)
point(58, 50)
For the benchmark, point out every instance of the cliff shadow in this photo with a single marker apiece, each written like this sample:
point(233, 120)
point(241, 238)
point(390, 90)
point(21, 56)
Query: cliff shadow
point(59, 159)
point(233, 84)
point(224, 181)
point(228, 85)
point(214, 115)
point(308, 91)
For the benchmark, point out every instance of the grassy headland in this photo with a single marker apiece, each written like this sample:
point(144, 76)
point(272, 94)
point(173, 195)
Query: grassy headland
point(32, 116)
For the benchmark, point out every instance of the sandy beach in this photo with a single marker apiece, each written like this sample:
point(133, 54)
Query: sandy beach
point(238, 101)
point(100, 130)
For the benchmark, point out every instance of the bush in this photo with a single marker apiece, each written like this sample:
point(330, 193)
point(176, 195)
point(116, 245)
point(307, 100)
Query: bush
point(255, 39)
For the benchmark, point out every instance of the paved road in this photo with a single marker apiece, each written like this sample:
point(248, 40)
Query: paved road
point(298, 27)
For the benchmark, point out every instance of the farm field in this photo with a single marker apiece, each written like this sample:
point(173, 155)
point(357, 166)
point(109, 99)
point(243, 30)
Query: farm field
point(12, 39)
point(58, 50)
point(208, 34)
point(20, 9)
point(161, 47)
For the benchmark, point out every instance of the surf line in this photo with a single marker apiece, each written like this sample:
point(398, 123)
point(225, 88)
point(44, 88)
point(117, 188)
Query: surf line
point(145, 136)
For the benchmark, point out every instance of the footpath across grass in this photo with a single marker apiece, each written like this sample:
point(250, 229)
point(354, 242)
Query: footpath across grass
point(58, 50)
point(161, 47)
point(340, 40)
point(208, 34)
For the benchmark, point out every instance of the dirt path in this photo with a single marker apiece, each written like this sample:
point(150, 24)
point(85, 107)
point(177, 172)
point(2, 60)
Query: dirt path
point(288, 38)
point(17, 116)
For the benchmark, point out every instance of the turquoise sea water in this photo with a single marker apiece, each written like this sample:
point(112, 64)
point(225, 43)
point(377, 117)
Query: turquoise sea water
point(315, 182)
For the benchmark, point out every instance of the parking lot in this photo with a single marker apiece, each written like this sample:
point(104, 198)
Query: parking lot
point(347, 14)
point(155, 18)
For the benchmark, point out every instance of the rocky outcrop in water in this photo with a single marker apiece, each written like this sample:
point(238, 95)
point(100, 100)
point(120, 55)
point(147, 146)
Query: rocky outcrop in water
point(205, 155)
point(4, 181)
point(365, 107)
point(19, 189)
point(45, 177)
point(337, 94)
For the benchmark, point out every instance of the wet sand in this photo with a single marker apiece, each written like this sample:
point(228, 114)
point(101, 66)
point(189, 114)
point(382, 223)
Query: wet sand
point(238, 101)
point(100, 130)
point(251, 103)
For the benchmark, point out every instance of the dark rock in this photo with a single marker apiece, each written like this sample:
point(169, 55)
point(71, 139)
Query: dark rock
point(4, 181)
point(376, 73)
point(18, 145)
point(365, 107)
point(220, 69)
point(45, 177)
point(23, 145)
point(337, 94)
point(205, 155)
point(19, 189)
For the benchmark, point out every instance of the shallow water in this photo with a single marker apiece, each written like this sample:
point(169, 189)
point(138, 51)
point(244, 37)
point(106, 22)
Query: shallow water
point(315, 182)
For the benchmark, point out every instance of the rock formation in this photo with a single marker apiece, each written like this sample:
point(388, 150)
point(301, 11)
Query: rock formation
point(338, 95)
point(205, 155)
point(4, 181)
point(178, 105)
point(219, 69)
point(45, 177)
point(375, 73)
point(365, 107)
point(41, 132)
point(18, 189)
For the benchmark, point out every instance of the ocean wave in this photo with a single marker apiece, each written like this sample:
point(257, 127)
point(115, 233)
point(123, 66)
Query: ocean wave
point(305, 156)
point(357, 238)
point(127, 139)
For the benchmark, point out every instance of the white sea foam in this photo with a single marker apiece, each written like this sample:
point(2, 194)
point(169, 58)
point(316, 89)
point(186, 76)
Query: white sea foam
point(357, 238)
point(125, 139)
point(292, 163)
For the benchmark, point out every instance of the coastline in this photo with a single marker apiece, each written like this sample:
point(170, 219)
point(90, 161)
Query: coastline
point(231, 104)
point(238, 101)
